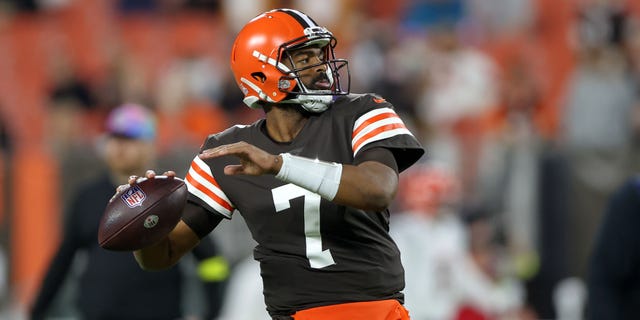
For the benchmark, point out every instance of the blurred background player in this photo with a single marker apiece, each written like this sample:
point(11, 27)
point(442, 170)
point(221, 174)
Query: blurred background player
point(452, 263)
point(614, 268)
point(111, 285)
point(432, 239)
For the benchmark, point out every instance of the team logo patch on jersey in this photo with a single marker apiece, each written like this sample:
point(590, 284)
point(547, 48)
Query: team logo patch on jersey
point(133, 197)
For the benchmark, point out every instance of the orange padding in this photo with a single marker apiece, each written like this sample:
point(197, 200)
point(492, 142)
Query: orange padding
point(2, 189)
point(369, 310)
point(35, 221)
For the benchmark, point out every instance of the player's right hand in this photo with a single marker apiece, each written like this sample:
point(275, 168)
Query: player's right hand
point(253, 160)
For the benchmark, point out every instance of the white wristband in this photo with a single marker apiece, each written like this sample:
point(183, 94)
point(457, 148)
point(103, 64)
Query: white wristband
point(316, 176)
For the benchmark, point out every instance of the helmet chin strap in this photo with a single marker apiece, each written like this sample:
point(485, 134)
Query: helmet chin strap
point(312, 103)
point(316, 102)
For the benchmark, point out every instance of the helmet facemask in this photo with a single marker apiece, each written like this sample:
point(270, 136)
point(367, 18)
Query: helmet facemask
point(313, 100)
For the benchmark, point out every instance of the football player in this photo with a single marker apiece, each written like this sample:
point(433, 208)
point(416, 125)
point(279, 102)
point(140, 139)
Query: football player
point(110, 285)
point(313, 179)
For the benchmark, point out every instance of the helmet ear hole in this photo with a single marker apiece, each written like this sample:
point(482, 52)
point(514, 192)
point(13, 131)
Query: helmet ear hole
point(259, 76)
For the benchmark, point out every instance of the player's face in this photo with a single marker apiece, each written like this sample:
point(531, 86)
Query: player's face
point(314, 76)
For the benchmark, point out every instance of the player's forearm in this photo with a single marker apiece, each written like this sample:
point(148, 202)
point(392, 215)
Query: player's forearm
point(155, 257)
point(169, 250)
point(369, 186)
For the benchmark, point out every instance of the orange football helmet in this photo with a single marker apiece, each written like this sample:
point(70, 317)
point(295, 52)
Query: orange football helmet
point(258, 52)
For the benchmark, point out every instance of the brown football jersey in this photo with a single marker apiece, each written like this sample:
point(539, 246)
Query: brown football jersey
point(313, 252)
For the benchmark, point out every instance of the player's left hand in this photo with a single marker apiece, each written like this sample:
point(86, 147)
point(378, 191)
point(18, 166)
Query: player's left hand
point(149, 174)
point(253, 160)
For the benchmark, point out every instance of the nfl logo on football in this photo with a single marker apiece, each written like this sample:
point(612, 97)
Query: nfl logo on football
point(133, 197)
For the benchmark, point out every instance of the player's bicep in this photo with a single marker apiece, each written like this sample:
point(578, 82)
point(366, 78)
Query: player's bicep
point(378, 170)
point(371, 182)
point(381, 155)
point(199, 220)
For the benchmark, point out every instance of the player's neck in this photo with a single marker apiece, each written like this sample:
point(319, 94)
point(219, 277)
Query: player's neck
point(284, 122)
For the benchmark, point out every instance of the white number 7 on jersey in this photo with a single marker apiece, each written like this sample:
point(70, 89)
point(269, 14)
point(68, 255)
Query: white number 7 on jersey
point(281, 199)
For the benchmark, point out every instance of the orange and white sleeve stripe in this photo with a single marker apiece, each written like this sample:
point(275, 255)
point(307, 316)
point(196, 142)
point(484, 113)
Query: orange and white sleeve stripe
point(377, 124)
point(201, 183)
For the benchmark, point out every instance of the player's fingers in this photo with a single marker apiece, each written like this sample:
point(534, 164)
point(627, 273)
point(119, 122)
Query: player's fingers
point(170, 174)
point(233, 169)
point(132, 179)
point(227, 149)
point(208, 154)
point(150, 174)
point(119, 189)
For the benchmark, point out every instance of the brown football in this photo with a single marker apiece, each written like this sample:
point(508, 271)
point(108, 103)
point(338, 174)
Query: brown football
point(143, 214)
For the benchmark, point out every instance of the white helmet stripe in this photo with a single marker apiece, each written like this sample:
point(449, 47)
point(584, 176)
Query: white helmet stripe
point(272, 62)
point(304, 20)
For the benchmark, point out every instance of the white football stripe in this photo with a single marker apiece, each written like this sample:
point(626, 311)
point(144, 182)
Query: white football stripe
point(202, 165)
point(370, 115)
point(212, 203)
point(212, 187)
point(381, 136)
point(208, 185)
point(203, 181)
point(376, 125)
